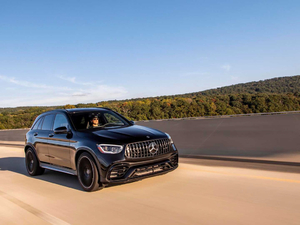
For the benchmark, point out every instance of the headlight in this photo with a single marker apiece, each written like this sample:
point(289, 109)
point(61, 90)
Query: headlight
point(169, 138)
point(172, 143)
point(110, 149)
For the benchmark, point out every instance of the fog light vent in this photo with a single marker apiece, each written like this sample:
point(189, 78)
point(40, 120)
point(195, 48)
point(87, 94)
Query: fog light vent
point(174, 160)
point(118, 172)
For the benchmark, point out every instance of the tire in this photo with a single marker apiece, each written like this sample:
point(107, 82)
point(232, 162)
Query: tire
point(32, 163)
point(87, 172)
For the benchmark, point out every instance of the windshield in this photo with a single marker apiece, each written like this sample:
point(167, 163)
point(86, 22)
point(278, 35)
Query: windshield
point(98, 119)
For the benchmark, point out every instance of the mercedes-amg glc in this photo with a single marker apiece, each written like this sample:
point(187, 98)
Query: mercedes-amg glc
point(97, 145)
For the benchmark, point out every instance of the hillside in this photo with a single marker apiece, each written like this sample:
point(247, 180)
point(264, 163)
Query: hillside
point(278, 85)
point(273, 95)
point(275, 85)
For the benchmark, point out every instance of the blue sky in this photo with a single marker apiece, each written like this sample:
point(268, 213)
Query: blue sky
point(66, 51)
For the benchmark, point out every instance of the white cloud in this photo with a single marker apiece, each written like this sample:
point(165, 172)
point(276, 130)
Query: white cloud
point(74, 81)
point(226, 67)
point(80, 94)
point(46, 95)
point(234, 78)
point(70, 79)
point(29, 84)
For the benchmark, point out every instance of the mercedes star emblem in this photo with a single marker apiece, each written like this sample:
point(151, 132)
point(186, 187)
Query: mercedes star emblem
point(153, 148)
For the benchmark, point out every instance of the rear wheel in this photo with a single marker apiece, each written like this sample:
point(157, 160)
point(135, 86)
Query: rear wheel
point(32, 163)
point(87, 172)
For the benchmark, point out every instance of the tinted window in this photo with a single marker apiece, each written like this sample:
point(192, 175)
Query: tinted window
point(48, 122)
point(60, 121)
point(106, 119)
point(36, 125)
point(112, 119)
point(40, 123)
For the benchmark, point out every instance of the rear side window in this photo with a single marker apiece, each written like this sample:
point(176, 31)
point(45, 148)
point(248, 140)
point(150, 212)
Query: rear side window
point(40, 123)
point(48, 122)
point(36, 125)
point(60, 121)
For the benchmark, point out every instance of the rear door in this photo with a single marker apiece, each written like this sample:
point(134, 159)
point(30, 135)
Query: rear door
point(59, 144)
point(41, 137)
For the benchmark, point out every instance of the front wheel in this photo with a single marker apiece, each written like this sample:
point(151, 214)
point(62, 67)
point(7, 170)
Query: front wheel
point(87, 172)
point(32, 163)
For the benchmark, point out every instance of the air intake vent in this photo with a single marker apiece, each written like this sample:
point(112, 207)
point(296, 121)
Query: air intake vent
point(118, 172)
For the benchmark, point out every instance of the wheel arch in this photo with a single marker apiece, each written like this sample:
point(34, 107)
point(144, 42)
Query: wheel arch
point(98, 165)
point(29, 145)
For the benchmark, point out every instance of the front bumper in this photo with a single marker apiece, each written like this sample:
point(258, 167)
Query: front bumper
point(127, 171)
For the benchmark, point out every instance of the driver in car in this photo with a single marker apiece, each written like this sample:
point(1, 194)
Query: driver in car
point(94, 122)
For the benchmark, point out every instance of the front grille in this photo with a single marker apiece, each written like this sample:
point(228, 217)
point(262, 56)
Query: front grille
point(141, 149)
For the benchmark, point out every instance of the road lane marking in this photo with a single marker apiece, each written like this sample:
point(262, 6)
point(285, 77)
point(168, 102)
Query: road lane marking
point(42, 215)
point(244, 175)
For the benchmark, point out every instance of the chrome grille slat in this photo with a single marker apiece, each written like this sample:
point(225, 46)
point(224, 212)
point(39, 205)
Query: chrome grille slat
point(141, 149)
point(144, 150)
point(160, 149)
point(165, 147)
point(135, 150)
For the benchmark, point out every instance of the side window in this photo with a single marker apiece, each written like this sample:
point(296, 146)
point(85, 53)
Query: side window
point(80, 121)
point(36, 125)
point(60, 121)
point(48, 122)
point(41, 123)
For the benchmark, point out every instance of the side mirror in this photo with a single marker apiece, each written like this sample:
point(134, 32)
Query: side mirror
point(132, 122)
point(61, 130)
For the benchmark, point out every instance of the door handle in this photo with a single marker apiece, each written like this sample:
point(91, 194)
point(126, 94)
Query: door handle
point(35, 134)
point(51, 135)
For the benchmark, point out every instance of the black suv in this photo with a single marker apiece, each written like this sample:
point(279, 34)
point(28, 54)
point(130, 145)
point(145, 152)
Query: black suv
point(98, 145)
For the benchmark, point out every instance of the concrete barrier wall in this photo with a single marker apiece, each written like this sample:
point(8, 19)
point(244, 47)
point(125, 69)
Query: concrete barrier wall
point(270, 137)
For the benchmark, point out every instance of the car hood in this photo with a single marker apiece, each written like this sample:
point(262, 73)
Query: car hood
point(128, 134)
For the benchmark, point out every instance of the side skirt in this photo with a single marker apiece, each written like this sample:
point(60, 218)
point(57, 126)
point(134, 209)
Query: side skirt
point(58, 168)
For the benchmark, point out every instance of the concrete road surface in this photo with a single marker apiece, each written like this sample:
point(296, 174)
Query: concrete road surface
point(198, 192)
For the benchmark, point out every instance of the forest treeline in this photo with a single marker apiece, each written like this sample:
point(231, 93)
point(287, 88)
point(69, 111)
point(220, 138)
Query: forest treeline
point(274, 95)
point(275, 85)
